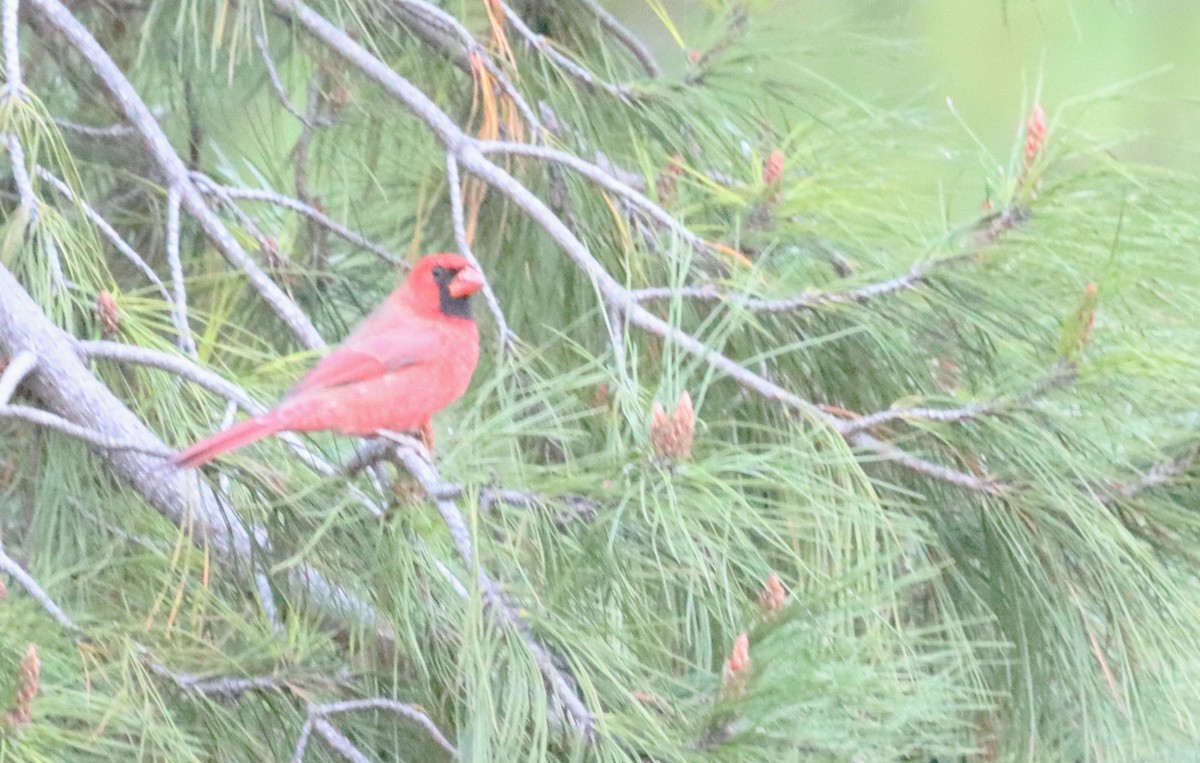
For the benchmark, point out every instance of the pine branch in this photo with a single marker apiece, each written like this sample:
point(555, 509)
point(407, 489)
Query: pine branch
point(173, 167)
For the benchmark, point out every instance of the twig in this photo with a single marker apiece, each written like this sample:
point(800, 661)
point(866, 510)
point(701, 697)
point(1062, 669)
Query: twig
point(35, 591)
point(928, 468)
point(173, 168)
point(507, 337)
point(624, 36)
point(16, 157)
point(1062, 373)
point(600, 177)
point(179, 304)
point(1162, 473)
point(434, 25)
point(17, 369)
point(916, 275)
point(223, 687)
point(224, 192)
point(14, 87)
point(318, 714)
point(260, 41)
point(560, 686)
point(89, 436)
point(118, 130)
point(105, 228)
point(566, 63)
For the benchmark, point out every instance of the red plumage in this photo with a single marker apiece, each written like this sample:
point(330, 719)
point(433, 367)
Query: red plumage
point(410, 358)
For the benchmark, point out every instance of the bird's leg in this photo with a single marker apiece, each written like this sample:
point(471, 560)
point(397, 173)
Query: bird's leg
point(425, 434)
point(407, 440)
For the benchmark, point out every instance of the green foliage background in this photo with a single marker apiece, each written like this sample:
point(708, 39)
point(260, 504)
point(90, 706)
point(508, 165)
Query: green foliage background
point(1055, 621)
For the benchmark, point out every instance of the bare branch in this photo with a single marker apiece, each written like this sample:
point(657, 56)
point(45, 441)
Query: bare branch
point(602, 178)
point(35, 591)
point(1062, 373)
point(105, 228)
point(17, 369)
point(437, 27)
point(264, 50)
point(173, 167)
point(118, 130)
point(915, 276)
point(225, 193)
point(402, 709)
point(179, 313)
point(566, 63)
point(507, 337)
point(624, 36)
point(929, 469)
point(560, 686)
point(89, 436)
point(14, 87)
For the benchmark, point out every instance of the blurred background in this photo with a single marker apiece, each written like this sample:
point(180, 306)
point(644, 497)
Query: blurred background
point(1125, 73)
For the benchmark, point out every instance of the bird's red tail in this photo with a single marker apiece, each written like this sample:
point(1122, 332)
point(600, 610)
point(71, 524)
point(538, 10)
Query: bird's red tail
point(234, 437)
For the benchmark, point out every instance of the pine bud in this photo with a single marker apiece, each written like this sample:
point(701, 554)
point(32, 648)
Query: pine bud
point(772, 597)
point(22, 707)
point(672, 436)
point(735, 677)
point(108, 313)
point(1035, 134)
point(1076, 332)
point(773, 168)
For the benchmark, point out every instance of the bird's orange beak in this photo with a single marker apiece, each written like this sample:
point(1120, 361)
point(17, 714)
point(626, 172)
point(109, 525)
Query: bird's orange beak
point(467, 282)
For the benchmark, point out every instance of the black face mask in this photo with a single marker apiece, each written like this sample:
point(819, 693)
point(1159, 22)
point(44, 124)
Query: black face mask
point(456, 307)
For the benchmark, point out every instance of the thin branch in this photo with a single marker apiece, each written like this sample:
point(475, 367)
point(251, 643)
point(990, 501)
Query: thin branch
point(600, 177)
point(179, 304)
point(559, 684)
point(624, 36)
point(105, 228)
point(174, 169)
point(225, 193)
point(928, 468)
point(221, 687)
point(915, 277)
point(507, 337)
point(14, 87)
point(17, 369)
point(566, 63)
point(264, 50)
point(401, 709)
point(36, 592)
point(118, 130)
point(1062, 373)
point(89, 436)
point(21, 176)
point(434, 25)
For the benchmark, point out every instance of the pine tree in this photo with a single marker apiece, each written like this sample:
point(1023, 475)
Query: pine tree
point(760, 463)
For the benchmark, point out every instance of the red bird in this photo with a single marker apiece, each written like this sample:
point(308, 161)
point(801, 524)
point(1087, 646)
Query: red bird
point(409, 359)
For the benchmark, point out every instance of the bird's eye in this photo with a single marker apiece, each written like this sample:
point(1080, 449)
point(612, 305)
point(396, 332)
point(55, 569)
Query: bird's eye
point(441, 275)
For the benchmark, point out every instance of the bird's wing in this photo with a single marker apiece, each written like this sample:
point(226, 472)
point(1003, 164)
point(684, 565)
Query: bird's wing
point(369, 357)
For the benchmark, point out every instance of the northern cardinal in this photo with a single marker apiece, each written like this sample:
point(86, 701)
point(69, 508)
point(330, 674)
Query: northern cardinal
point(410, 358)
